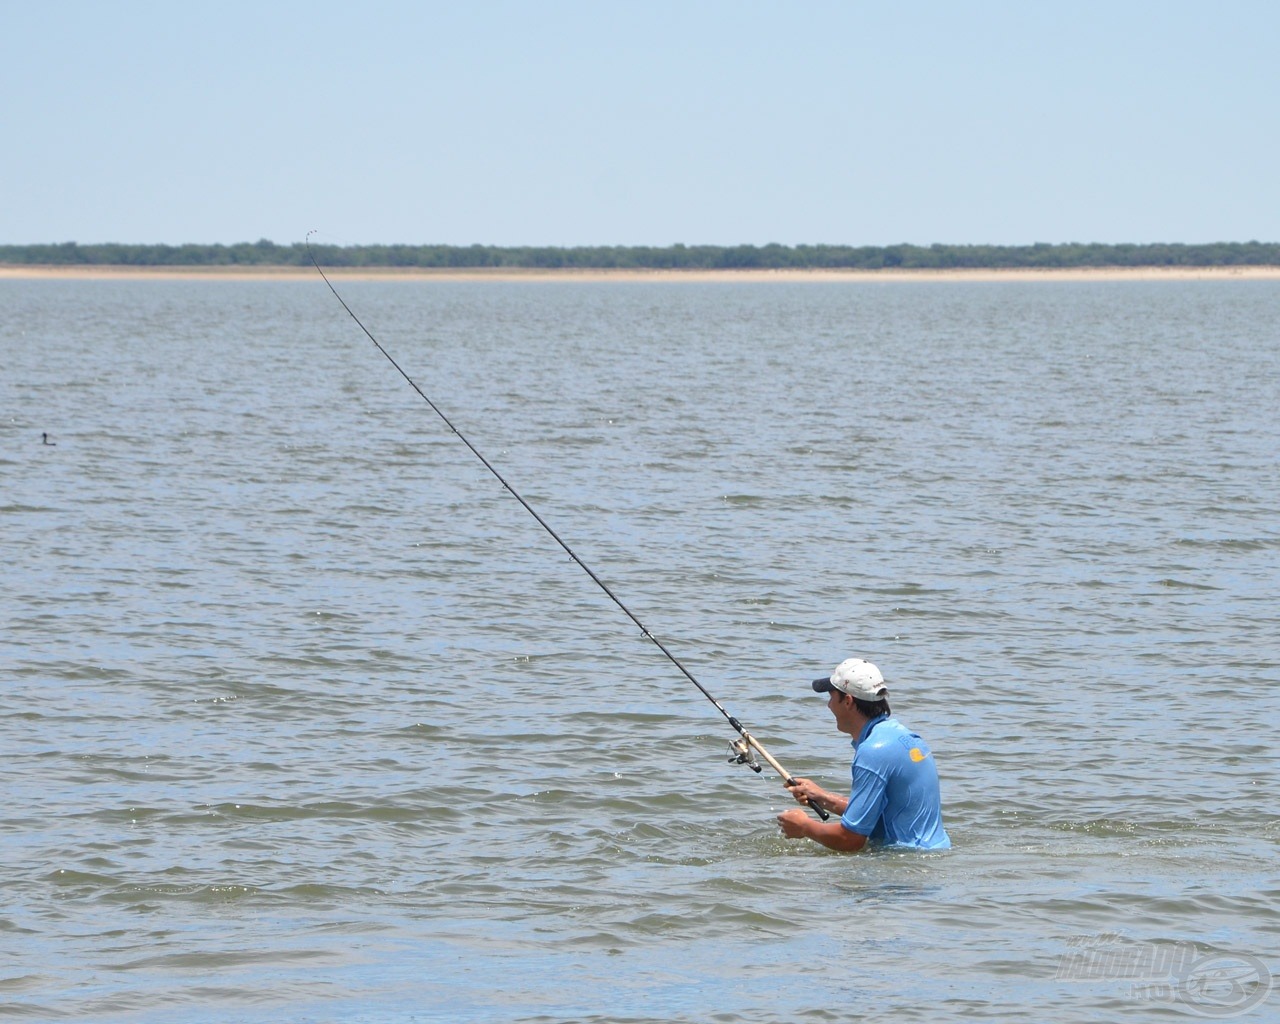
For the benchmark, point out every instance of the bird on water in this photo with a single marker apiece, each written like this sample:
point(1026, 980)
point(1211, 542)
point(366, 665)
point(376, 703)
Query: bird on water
point(46, 439)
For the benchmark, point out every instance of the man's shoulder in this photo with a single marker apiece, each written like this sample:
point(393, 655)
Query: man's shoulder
point(888, 733)
point(890, 740)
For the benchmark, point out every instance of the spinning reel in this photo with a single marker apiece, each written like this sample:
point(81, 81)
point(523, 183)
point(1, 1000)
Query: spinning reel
point(740, 752)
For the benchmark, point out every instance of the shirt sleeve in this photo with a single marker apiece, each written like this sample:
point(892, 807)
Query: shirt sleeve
point(866, 802)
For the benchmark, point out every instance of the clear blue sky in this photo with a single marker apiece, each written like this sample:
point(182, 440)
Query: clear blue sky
point(565, 122)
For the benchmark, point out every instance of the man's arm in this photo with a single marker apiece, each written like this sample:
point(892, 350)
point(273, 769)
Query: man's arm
point(831, 834)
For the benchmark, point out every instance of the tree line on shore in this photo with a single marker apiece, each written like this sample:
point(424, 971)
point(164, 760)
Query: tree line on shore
point(264, 253)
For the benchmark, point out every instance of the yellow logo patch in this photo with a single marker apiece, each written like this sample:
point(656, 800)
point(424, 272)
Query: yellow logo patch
point(918, 755)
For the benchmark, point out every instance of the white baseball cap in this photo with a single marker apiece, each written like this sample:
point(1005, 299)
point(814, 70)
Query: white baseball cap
point(857, 678)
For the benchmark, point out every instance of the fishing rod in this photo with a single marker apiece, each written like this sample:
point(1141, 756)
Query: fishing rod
point(741, 750)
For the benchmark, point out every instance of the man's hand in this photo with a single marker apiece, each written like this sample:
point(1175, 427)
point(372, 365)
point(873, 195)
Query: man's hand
point(805, 790)
point(794, 823)
point(808, 792)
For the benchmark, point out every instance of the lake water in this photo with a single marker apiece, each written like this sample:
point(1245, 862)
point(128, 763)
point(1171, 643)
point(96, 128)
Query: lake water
point(305, 719)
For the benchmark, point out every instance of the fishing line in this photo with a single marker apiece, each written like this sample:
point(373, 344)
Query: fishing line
point(741, 751)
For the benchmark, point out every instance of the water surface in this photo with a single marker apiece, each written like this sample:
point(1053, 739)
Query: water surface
point(305, 719)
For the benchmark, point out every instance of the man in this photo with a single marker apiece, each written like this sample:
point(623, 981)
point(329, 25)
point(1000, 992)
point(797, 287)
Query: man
point(894, 800)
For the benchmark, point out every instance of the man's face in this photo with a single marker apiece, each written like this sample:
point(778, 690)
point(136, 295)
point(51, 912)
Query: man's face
point(845, 712)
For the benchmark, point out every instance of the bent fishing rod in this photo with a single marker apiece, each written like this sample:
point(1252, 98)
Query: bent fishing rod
point(741, 750)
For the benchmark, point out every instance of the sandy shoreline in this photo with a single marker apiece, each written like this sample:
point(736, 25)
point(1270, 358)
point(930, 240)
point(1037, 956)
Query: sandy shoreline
point(109, 273)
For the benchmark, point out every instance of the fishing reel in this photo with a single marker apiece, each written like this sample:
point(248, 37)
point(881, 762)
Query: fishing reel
point(740, 752)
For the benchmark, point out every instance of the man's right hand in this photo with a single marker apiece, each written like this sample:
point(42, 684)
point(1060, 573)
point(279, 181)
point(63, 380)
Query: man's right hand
point(806, 790)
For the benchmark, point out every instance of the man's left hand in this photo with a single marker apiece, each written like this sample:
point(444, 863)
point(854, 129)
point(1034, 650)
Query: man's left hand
point(794, 823)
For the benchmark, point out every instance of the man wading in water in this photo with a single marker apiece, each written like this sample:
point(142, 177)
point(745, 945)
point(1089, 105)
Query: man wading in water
point(894, 800)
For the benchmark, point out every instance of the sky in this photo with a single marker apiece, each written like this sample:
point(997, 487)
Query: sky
point(654, 122)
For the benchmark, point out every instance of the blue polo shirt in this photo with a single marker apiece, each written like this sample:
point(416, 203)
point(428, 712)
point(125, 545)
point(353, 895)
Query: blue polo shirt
point(895, 798)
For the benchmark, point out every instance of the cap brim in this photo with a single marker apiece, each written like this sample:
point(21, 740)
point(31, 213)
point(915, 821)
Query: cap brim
point(822, 685)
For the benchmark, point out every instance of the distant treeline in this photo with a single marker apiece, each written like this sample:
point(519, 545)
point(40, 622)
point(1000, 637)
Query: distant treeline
point(675, 257)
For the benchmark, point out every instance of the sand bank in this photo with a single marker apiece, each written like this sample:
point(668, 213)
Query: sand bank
point(105, 273)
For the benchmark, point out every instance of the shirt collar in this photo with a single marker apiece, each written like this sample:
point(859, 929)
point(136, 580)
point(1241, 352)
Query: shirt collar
point(866, 729)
